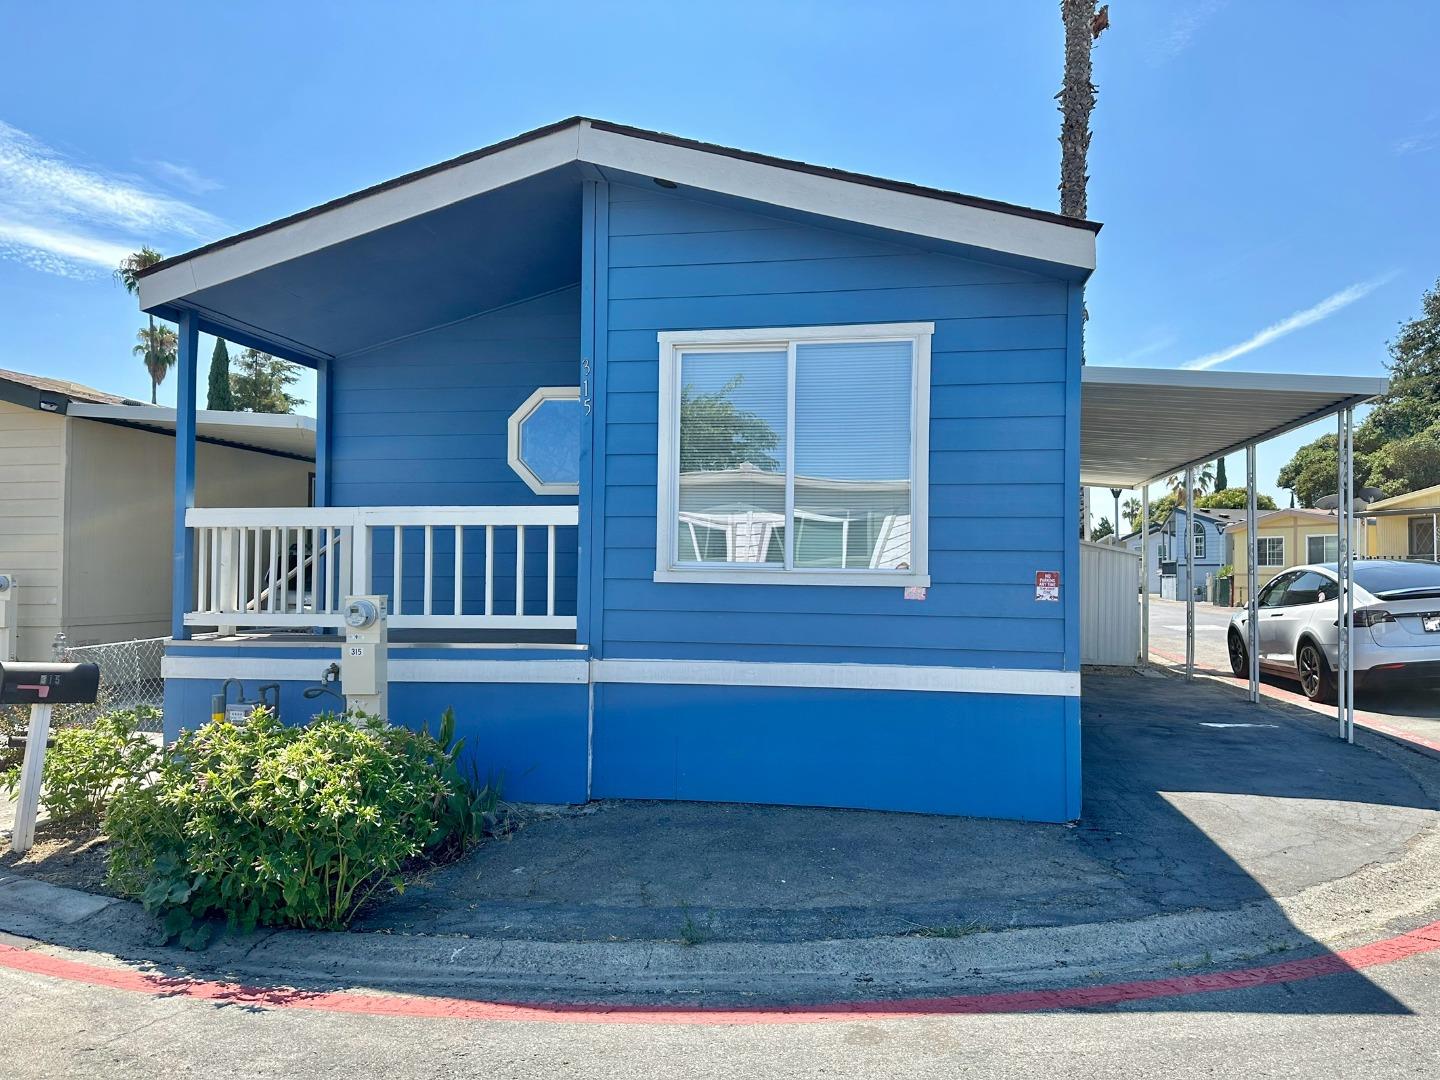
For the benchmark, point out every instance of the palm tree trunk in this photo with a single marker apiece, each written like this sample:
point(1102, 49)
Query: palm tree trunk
point(149, 362)
point(1077, 100)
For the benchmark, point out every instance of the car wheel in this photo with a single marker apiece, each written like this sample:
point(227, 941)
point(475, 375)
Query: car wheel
point(1315, 677)
point(1239, 658)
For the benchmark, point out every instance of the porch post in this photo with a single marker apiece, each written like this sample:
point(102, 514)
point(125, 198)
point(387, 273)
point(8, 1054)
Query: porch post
point(1189, 571)
point(183, 549)
point(1144, 573)
point(1252, 574)
point(322, 432)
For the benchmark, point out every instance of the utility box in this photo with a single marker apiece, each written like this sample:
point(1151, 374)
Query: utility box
point(364, 661)
point(9, 616)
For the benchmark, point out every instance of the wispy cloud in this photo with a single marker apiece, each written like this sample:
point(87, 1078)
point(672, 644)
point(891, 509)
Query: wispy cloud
point(1182, 29)
point(1301, 319)
point(1417, 144)
point(183, 176)
point(1141, 352)
point(67, 218)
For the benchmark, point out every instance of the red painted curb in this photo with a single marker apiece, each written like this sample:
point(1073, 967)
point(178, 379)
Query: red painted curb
point(1423, 940)
point(1372, 721)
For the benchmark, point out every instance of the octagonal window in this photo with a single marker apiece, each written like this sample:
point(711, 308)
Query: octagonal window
point(545, 440)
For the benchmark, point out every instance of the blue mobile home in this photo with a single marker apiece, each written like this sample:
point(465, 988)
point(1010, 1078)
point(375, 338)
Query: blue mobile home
point(689, 473)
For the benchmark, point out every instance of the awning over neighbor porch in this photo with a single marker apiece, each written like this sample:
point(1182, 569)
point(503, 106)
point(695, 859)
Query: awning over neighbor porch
point(1142, 424)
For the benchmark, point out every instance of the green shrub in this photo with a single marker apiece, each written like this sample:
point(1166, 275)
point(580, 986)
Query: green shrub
point(298, 826)
point(86, 766)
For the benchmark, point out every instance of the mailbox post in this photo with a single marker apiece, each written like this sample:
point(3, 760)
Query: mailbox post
point(42, 687)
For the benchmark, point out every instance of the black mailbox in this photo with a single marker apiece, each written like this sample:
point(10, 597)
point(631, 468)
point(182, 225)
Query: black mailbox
point(48, 684)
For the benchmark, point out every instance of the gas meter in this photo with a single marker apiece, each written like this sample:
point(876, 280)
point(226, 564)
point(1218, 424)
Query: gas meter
point(364, 659)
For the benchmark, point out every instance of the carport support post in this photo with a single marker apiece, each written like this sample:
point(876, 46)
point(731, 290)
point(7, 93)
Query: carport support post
point(1189, 571)
point(1252, 575)
point(183, 551)
point(1345, 606)
point(1145, 573)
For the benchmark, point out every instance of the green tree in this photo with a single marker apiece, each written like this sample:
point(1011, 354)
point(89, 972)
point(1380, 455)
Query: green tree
point(1103, 530)
point(1397, 447)
point(156, 346)
point(1311, 473)
point(260, 383)
point(128, 274)
point(715, 434)
point(218, 395)
point(1220, 481)
point(1232, 499)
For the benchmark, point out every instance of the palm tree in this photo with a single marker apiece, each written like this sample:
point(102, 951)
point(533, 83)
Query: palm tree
point(1132, 512)
point(157, 345)
point(128, 274)
point(1204, 477)
point(1083, 25)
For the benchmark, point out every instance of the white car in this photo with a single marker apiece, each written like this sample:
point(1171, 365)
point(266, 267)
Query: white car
point(1397, 625)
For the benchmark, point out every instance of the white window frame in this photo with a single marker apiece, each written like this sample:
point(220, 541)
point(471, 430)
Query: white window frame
point(1197, 534)
point(1324, 536)
point(518, 417)
point(672, 343)
point(1260, 563)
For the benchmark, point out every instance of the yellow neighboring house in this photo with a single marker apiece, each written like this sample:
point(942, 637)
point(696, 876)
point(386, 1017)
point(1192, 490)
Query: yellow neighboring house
point(1284, 538)
point(1404, 536)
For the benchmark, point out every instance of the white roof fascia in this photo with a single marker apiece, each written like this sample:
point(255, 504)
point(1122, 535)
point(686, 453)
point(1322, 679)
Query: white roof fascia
point(163, 414)
point(884, 208)
point(827, 196)
point(349, 220)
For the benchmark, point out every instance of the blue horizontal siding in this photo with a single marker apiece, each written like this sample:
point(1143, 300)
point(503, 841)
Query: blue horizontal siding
point(1002, 756)
point(530, 738)
point(422, 422)
point(998, 438)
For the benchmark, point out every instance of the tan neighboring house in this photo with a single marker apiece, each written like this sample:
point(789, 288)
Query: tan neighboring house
point(1284, 538)
point(86, 502)
point(1411, 535)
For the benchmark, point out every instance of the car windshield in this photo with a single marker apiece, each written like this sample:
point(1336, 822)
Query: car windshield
point(1390, 579)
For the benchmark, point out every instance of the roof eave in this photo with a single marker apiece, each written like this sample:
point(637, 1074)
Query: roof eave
point(872, 201)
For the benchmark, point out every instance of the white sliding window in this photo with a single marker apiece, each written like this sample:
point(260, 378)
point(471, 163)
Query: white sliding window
point(794, 456)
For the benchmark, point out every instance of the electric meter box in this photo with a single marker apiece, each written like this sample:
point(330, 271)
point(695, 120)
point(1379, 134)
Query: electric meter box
point(363, 660)
point(48, 684)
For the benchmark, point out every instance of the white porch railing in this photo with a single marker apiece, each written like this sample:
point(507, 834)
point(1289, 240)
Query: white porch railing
point(294, 566)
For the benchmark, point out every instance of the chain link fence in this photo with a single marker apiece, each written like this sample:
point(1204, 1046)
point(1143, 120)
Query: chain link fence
point(129, 678)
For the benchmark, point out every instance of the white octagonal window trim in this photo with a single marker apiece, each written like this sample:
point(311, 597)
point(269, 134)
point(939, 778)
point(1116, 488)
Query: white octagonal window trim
point(544, 440)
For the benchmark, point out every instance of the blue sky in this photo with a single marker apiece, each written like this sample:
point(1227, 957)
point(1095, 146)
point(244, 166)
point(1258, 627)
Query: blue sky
point(1266, 172)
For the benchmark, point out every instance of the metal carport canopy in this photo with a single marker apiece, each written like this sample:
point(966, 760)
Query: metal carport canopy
point(1141, 424)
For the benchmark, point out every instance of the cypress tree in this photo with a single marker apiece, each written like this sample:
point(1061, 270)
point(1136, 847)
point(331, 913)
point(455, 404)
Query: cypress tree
point(1220, 484)
point(219, 396)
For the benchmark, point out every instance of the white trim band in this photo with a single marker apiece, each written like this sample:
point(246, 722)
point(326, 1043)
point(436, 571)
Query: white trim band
point(1023, 682)
point(1019, 681)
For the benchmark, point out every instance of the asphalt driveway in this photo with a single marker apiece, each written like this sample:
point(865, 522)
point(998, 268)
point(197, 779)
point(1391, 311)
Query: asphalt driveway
point(1411, 711)
point(1192, 800)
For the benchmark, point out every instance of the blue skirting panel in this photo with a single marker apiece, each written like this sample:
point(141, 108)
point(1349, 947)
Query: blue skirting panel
point(531, 737)
point(986, 755)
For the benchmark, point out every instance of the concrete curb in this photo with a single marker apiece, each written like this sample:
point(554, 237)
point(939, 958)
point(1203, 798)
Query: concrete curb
point(1388, 897)
point(1383, 897)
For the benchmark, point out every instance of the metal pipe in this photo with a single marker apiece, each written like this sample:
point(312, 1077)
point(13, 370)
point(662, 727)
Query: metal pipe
point(1252, 575)
point(1145, 574)
point(1349, 575)
point(1190, 572)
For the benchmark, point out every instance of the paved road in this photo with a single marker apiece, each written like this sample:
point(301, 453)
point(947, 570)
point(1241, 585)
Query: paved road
point(1381, 1025)
point(1414, 711)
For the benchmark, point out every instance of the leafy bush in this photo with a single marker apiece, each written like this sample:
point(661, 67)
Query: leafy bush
point(86, 766)
point(298, 826)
